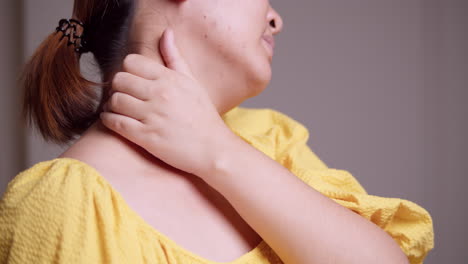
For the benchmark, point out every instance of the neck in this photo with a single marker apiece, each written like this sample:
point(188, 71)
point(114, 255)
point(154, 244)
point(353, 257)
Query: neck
point(111, 154)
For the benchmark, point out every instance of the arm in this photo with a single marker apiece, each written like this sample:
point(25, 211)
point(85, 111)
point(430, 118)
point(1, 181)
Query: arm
point(298, 222)
point(164, 120)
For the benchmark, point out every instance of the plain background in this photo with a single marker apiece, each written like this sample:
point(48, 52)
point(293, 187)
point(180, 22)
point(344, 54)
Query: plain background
point(381, 86)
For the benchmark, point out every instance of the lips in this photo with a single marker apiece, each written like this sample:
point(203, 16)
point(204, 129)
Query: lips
point(269, 45)
point(270, 41)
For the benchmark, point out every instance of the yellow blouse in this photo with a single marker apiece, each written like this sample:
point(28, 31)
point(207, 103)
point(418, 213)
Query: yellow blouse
point(64, 211)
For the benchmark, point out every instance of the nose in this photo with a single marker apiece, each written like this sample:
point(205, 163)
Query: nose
point(275, 21)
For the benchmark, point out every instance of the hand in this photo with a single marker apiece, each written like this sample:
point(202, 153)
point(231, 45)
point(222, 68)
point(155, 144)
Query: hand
point(165, 110)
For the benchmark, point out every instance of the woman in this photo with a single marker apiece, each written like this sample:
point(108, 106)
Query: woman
point(168, 168)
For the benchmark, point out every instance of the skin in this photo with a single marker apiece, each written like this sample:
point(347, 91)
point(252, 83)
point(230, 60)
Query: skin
point(221, 40)
point(162, 104)
point(242, 65)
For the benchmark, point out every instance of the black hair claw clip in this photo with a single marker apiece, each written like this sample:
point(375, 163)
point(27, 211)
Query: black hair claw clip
point(69, 28)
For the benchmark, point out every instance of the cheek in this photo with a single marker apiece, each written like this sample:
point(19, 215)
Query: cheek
point(247, 63)
point(237, 31)
point(245, 51)
point(253, 58)
point(233, 48)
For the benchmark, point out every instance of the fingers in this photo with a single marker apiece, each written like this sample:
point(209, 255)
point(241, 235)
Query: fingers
point(150, 69)
point(127, 127)
point(133, 85)
point(144, 67)
point(124, 104)
point(172, 55)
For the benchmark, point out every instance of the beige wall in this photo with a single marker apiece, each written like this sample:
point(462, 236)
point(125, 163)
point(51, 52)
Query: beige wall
point(381, 85)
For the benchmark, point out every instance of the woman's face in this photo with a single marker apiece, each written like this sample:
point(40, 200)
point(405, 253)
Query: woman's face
point(223, 42)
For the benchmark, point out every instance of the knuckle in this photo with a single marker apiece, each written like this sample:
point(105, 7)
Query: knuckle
point(152, 139)
point(165, 95)
point(171, 77)
point(119, 125)
point(171, 60)
point(149, 90)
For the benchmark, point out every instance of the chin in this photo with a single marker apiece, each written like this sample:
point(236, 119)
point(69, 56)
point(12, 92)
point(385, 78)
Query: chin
point(261, 78)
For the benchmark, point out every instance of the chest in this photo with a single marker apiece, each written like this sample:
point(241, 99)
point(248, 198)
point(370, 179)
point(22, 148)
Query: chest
point(190, 213)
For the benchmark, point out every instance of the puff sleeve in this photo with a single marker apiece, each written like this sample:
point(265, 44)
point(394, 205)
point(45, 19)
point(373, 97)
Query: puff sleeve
point(409, 224)
point(59, 212)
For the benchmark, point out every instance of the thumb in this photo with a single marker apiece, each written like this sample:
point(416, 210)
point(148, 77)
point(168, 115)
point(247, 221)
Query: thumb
point(171, 53)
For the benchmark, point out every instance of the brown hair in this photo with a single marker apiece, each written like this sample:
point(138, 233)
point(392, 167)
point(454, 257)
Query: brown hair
point(56, 97)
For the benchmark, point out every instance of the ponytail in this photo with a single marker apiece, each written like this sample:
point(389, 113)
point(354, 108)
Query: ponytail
point(57, 99)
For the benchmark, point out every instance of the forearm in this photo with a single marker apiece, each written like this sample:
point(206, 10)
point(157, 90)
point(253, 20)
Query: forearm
point(298, 222)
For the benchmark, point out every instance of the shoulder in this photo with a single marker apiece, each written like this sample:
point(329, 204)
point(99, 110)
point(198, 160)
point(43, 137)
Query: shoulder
point(57, 178)
point(407, 222)
point(47, 212)
point(258, 120)
point(50, 190)
point(267, 128)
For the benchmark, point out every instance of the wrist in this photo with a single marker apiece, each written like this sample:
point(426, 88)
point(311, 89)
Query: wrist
point(226, 148)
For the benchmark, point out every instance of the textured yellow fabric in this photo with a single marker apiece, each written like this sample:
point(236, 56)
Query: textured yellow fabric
point(64, 211)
